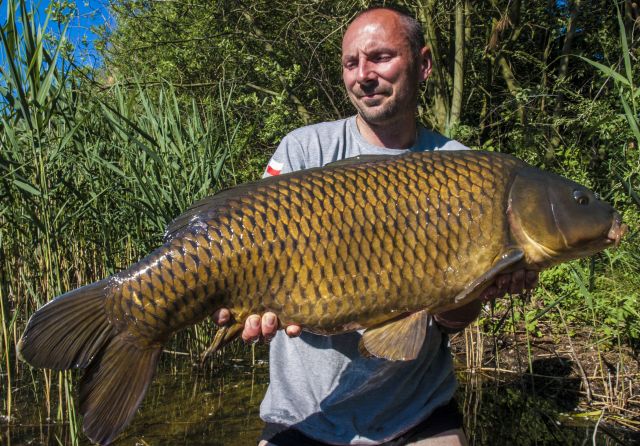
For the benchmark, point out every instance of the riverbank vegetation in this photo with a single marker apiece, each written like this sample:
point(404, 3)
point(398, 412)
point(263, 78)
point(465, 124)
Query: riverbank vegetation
point(192, 97)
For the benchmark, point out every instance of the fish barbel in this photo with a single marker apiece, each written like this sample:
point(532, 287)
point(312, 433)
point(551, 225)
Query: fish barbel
point(376, 243)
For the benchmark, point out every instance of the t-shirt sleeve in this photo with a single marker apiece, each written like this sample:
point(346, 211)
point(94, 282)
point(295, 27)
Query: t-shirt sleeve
point(435, 141)
point(288, 157)
point(452, 144)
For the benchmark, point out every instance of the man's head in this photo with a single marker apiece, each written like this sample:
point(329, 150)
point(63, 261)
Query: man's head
point(384, 60)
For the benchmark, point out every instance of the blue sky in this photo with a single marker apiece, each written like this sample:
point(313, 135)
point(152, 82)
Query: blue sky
point(89, 13)
point(86, 14)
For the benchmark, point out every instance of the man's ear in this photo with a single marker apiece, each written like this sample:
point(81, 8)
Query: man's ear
point(425, 63)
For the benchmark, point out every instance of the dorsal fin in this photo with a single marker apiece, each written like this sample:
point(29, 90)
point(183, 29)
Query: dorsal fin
point(359, 159)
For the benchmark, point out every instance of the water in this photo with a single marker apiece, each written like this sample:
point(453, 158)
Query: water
point(218, 405)
point(185, 405)
point(507, 409)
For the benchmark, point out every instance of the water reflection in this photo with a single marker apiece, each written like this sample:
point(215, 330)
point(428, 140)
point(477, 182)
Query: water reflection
point(538, 408)
point(186, 405)
point(218, 405)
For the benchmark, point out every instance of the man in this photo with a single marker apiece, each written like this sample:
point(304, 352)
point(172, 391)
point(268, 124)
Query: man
point(321, 390)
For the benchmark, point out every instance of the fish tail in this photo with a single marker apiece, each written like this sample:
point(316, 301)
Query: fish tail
point(73, 331)
point(69, 331)
point(114, 385)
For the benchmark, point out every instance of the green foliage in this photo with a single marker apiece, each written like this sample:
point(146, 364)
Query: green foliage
point(194, 97)
point(270, 53)
point(90, 177)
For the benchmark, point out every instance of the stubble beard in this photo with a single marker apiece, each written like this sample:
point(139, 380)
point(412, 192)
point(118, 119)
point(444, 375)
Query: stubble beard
point(392, 108)
point(378, 114)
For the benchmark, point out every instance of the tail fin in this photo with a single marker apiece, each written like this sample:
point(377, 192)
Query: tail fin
point(72, 331)
point(114, 385)
point(68, 331)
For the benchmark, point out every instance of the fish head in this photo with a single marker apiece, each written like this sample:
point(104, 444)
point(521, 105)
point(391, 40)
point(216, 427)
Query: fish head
point(554, 219)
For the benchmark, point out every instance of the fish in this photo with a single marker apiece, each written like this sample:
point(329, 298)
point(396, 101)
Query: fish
point(376, 243)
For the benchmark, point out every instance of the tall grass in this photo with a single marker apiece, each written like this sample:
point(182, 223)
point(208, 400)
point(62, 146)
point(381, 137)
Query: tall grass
point(89, 178)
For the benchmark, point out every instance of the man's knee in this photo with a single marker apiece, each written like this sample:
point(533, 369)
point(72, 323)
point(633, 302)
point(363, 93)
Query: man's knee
point(453, 437)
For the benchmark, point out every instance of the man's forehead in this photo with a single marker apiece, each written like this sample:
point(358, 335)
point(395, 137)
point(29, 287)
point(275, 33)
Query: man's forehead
point(376, 20)
point(375, 28)
point(381, 15)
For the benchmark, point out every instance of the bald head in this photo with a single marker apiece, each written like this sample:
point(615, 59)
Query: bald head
point(409, 26)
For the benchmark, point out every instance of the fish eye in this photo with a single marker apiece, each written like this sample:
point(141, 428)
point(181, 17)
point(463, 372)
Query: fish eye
point(581, 198)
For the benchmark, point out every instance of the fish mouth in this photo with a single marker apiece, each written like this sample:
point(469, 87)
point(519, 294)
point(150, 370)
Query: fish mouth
point(617, 230)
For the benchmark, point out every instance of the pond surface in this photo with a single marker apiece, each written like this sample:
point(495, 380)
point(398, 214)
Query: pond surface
point(185, 405)
point(218, 405)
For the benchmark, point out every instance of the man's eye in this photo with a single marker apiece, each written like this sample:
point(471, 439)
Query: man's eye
point(382, 58)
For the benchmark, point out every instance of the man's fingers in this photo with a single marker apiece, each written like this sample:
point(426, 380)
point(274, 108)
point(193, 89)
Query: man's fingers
point(531, 279)
point(221, 316)
point(513, 283)
point(269, 325)
point(265, 326)
point(489, 294)
point(503, 281)
point(517, 282)
point(251, 330)
point(293, 331)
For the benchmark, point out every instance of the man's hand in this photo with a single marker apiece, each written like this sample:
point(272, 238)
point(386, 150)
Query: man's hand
point(256, 326)
point(512, 283)
point(515, 283)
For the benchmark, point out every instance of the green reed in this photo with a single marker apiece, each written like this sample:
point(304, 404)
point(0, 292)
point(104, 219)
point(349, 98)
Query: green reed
point(89, 179)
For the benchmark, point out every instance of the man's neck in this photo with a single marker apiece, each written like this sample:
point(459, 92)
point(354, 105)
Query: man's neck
point(401, 134)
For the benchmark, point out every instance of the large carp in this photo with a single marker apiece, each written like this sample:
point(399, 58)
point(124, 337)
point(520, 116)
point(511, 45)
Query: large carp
point(375, 243)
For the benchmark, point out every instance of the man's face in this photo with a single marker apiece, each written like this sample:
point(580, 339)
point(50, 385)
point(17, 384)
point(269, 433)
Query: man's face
point(380, 72)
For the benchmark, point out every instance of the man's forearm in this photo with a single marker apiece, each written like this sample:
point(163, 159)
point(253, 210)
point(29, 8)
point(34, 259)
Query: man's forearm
point(515, 283)
point(456, 320)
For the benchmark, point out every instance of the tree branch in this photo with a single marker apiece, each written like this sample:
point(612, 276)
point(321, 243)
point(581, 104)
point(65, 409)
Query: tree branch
point(458, 71)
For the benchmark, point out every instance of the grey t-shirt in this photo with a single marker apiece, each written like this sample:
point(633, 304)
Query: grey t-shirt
point(321, 385)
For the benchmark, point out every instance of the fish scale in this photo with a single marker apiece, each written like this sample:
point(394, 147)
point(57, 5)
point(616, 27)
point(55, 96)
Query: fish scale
point(378, 243)
point(318, 249)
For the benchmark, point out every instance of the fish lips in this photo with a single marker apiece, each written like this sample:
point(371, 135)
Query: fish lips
point(612, 237)
point(617, 231)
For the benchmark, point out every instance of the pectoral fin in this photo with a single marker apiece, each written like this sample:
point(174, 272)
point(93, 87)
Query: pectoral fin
point(400, 340)
point(503, 262)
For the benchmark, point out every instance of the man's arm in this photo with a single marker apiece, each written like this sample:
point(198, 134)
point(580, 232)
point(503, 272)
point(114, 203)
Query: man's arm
point(514, 283)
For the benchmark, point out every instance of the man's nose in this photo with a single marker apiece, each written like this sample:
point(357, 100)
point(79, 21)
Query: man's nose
point(366, 72)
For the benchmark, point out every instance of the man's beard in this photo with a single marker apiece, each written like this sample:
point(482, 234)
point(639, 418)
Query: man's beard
point(388, 110)
point(378, 114)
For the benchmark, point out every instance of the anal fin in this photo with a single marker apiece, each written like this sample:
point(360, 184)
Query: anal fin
point(400, 340)
point(224, 336)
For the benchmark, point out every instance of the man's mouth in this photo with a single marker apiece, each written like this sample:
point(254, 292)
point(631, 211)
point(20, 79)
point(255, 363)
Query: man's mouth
point(372, 94)
point(372, 98)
